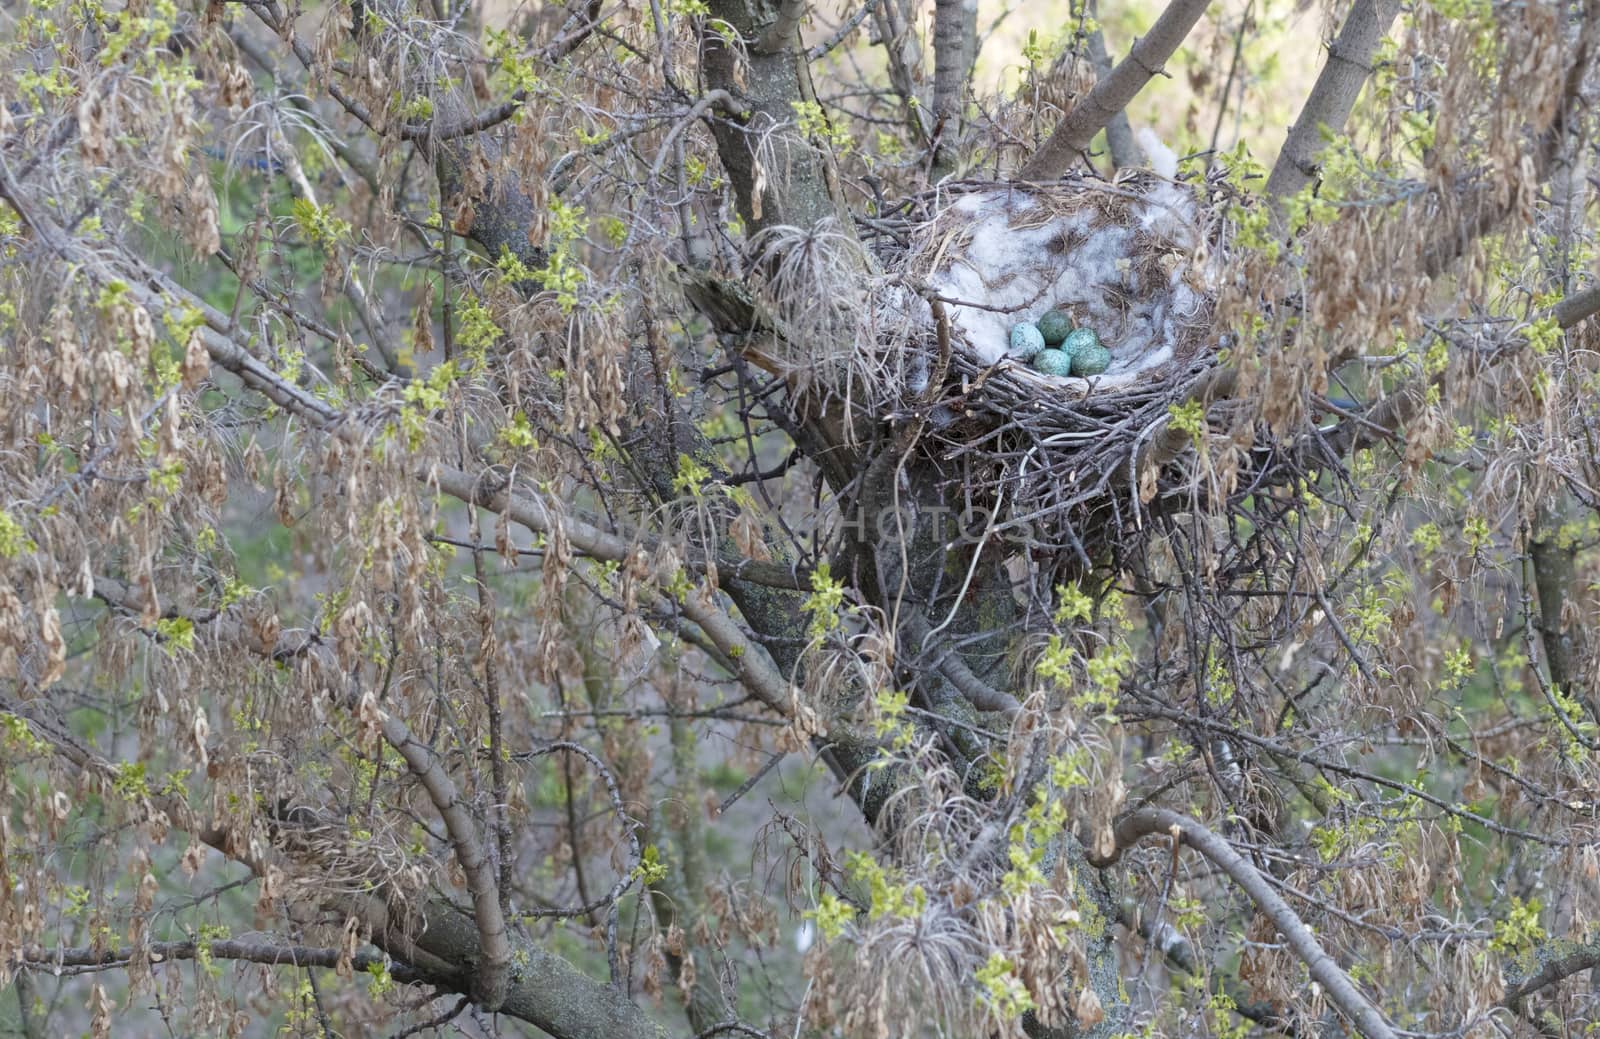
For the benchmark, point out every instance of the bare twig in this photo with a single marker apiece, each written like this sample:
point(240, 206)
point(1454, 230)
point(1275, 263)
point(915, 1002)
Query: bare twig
point(848, 26)
point(436, 1022)
point(755, 777)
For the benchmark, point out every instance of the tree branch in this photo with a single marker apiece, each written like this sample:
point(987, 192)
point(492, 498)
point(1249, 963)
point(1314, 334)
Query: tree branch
point(1342, 992)
point(1333, 95)
point(1125, 153)
point(952, 20)
point(490, 980)
point(1576, 307)
point(1112, 94)
point(273, 953)
point(488, 948)
point(780, 35)
point(1554, 572)
point(975, 690)
point(846, 27)
point(1555, 969)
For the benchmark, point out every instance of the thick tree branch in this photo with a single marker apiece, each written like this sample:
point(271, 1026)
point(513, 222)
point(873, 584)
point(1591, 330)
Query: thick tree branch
point(490, 980)
point(977, 692)
point(780, 35)
point(1342, 992)
point(1112, 94)
point(547, 991)
point(1179, 954)
point(1556, 968)
point(1578, 306)
point(1554, 573)
point(953, 26)
point(777, 176)
point(1333, 95)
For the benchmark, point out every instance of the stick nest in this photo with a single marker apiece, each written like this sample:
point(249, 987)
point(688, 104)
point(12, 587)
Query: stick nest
point(1137, 260)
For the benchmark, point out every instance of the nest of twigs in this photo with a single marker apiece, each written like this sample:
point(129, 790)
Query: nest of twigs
point(1137, 260)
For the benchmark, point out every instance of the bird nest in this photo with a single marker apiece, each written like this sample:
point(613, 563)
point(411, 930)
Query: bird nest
point(1137, 260)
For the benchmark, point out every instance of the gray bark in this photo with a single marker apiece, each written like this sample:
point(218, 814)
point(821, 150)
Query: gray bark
point(777, 176)
point(1125, 153)
point(1332, 96)
point(1341, 991)
point(1112, 94)
point(954, 24)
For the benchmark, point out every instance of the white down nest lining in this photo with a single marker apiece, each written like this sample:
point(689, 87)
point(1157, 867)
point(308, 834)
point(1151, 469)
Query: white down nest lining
point(1127, 264)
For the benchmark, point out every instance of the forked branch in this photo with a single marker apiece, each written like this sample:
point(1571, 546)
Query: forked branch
point(490, 982)
point(1342, 992)
point(780, 35)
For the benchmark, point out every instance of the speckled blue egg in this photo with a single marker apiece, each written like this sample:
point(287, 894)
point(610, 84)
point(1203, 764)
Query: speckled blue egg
point(1090, 360)
point(1053, 362)
point(1026, 341)
point(1055, 326)
point(1080, 339)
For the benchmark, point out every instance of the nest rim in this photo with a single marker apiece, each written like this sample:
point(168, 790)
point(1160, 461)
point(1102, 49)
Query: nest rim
point(1008, 384)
